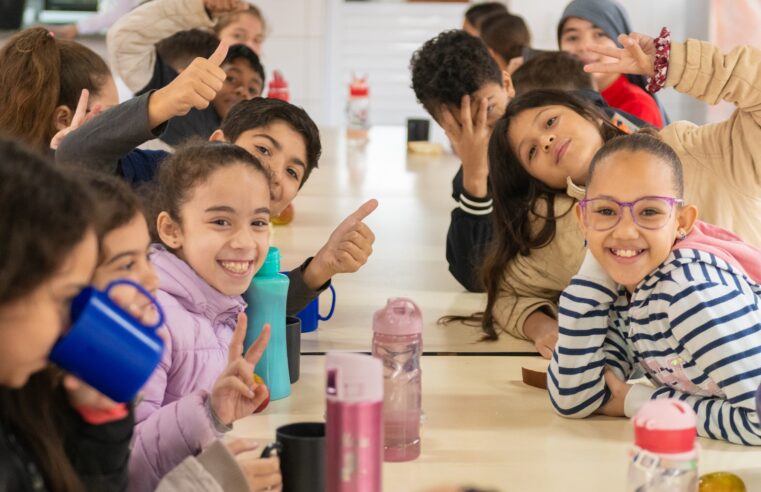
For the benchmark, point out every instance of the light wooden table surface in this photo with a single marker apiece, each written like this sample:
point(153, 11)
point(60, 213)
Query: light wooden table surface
point(484, 427)
point(408, 260)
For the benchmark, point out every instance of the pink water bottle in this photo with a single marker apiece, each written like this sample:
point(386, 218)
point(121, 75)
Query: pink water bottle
point(665, 455)
point(398, 342)
point(354, 424)
point(278, 87)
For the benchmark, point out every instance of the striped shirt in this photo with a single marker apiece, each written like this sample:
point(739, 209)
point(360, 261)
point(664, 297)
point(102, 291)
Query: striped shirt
point(693, 326)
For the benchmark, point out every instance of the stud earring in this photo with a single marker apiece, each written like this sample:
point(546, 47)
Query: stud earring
point(585, 242)
point(682, 235)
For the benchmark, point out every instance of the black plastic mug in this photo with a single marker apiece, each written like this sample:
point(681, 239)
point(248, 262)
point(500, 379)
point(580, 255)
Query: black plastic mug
point(301, 448)
point(293, 346)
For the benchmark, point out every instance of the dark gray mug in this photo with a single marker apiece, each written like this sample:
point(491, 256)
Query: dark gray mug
point(293, 346)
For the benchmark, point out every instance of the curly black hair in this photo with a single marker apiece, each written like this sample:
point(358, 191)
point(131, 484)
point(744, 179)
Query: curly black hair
point(450, 66)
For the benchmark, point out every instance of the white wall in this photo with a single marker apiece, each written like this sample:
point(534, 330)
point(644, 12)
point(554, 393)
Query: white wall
point(317, 43)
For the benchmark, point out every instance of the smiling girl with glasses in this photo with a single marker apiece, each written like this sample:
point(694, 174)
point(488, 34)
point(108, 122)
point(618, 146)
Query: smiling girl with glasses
point(661, 293)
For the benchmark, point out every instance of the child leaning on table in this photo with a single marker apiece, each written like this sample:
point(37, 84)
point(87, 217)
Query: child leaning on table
point(211, 217)
point(662, 292)
point(124, 243)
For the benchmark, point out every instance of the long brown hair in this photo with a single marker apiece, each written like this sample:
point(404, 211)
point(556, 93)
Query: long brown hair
point(45, 214)
point(518, 199)
point(38, 73)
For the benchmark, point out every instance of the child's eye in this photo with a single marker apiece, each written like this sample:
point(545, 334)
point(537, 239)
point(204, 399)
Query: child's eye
point(600, 34)
point(260, 223)
point(292, 172)
point(128, 266)
point(570, 39)
point(607, 212)
point(650, 212)
point(531, 152)
point(551, 121)
point(263, 150)
point(221, 222)
point(232, 79)
point(490, 109)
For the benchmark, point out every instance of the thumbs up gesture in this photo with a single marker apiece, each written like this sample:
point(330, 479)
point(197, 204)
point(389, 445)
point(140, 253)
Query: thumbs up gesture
point(347, 249)
point(195, 87)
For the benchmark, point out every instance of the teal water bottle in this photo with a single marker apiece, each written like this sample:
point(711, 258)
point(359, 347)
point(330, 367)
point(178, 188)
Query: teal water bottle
point(266, 304)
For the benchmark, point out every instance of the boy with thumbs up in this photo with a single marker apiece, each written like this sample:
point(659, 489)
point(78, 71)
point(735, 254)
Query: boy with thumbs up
point(282, 136)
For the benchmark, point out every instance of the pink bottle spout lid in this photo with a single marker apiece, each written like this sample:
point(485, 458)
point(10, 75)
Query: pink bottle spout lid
point(665, 427)
point(353, 377)
point(400, 316)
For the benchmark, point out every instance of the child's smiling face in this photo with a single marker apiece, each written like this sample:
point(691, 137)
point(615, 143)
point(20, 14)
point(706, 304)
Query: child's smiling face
point(628, 251)
point(224, 230)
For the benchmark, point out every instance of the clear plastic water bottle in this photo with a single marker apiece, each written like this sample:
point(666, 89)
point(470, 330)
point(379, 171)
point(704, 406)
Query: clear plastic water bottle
point(665, 454)
point(358, 110)
point(398, 342)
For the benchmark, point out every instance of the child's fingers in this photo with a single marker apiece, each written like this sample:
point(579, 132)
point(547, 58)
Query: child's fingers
point(466, 120)
point(235, 384)
point(220, 53)
point(239, 446)
point(236, 342)
point(481, 114)
point(602, 67)
point(607, 51)
point(81, 111)
point(256, 350)
point(362, 212)
point(448, 123)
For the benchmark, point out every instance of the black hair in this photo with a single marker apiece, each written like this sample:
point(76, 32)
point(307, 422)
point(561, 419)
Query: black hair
point(243, 52)
point(181, 48)
point(451, 65)
point(551, 70)
point(506, 34)
point(478, 12)
point(644, 141)
point(259, 112)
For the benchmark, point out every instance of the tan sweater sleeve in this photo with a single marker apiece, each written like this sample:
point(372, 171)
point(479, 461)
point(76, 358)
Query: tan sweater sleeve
point(535, 281)
point(732, 147)
point(132, 40)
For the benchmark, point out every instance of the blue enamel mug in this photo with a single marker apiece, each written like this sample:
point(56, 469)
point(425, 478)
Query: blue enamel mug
point(108, 348)
point(310, 316)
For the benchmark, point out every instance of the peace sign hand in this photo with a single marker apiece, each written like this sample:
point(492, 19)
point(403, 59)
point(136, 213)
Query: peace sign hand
point(235, 394)
point(81, 116)
point(637, 57)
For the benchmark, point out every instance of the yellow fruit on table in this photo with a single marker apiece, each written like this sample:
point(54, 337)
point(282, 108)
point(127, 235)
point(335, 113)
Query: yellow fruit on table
point(258, 380)
point(721, 482)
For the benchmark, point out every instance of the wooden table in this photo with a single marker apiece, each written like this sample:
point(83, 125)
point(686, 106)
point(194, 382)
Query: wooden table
point(409, 253)
point(484, 427)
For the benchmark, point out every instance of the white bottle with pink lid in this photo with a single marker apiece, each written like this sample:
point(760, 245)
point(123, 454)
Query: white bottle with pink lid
point(665, 454)
point(398, 342)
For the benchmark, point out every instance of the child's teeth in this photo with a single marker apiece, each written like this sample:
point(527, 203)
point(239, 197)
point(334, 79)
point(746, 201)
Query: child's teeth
point(235, 266)
point(626, 253)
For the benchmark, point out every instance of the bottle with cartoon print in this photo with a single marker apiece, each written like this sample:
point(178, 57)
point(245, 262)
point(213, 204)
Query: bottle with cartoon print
point(665, 454)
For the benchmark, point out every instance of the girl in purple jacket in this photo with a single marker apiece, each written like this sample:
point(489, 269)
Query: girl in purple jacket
point(212, 219)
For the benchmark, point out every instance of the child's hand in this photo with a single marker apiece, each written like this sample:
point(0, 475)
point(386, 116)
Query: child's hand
point(235, 394)
point(195, 87)
point(618, 391)
point(83, 395)
point(543, 331)
point(470, 139)
point(225, 6)
point(81, 116)
point(347, 249)
point(637, 56)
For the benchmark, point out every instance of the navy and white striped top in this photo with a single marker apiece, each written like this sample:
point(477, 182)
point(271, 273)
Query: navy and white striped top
point(693, 326)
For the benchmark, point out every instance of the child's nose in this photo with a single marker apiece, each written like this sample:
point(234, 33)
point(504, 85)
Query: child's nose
point(548, 139)
point(626, 227)
point(150, 281)
point(243, 239)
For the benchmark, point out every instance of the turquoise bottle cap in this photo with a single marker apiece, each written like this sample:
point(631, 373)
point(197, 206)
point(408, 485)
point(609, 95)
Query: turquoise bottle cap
point(271, 265)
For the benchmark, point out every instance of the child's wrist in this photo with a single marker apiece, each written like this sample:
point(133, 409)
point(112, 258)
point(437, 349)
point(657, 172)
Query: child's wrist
point(99, 416)
point(661, 63)
point(316, 274)
point(158, 112)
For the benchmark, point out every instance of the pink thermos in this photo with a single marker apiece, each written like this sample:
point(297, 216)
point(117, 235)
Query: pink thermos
point(398, 342)
point(354, 424)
